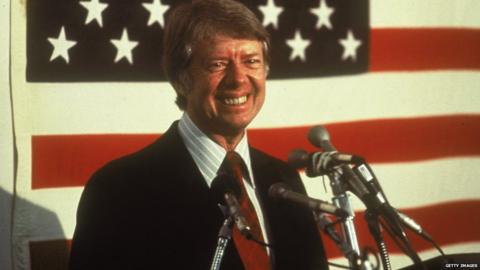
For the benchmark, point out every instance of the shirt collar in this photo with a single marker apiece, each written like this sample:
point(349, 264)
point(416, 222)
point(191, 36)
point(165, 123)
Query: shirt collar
point(207, 154)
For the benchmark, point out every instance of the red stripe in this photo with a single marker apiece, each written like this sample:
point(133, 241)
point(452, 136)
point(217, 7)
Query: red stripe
point(449, 223)
point(395, 49)
point(69, 160)
point(384, 140)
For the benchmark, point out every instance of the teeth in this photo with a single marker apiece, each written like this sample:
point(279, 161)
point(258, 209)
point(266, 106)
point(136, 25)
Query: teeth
point(235, 101)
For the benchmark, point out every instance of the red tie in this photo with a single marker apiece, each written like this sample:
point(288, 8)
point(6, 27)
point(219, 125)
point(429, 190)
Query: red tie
point(254, 256)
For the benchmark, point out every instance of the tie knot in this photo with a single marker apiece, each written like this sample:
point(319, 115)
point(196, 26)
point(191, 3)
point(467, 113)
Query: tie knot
point(234, 158)
point(233, 164)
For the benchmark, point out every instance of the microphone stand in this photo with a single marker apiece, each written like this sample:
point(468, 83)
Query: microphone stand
point(342, 200)
point(327, 226)
point(224, 236)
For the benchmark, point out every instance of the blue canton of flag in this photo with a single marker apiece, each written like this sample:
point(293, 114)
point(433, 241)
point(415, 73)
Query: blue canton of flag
point(121, 40)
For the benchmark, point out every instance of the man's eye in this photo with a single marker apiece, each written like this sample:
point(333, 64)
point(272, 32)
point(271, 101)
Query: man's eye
point(217, 65)
point(254, 62)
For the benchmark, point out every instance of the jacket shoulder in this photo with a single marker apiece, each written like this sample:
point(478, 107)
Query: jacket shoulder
point(158, 155)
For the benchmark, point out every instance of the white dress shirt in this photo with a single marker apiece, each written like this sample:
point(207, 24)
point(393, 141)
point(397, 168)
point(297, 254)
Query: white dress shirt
point(208, 156)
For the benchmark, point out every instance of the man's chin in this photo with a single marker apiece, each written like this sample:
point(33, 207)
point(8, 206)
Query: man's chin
point(232, 128)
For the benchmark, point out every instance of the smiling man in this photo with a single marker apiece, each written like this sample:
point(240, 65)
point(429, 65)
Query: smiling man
point(228, 87)
point(155, 209)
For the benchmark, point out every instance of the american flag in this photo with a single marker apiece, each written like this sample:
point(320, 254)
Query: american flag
point(88, 87)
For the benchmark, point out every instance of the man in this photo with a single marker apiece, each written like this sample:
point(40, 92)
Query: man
point(154, 209)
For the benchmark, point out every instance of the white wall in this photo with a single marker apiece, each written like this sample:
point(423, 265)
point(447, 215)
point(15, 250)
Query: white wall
point(6, 139)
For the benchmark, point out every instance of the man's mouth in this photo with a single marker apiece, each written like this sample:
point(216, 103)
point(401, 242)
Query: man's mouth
point(235, 101)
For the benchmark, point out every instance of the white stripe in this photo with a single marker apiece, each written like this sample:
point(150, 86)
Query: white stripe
point(373, 95)
point(424, 13)
point(48, 212)
point(399, 260)
point(417, 184)
point(118, 107)
point(150, 108)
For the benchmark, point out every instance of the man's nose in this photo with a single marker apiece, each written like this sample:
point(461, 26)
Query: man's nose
point(236, 75)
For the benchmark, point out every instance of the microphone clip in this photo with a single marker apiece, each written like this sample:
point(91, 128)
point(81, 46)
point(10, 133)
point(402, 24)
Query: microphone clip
point(323, 163)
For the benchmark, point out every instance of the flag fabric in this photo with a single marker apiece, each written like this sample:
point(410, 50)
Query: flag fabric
point(88, 88)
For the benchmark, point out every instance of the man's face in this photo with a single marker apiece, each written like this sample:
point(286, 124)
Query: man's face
point(228, 85)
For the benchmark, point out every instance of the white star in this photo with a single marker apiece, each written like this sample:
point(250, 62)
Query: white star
point(323, 13)
point(124, 47)
point(157, 11)
point(61, 45)
point(95, 9)
point(298, 46)
point(350, 45)
point(270, 13)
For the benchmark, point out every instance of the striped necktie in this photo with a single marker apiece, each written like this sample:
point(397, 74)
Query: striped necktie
point(254, 256)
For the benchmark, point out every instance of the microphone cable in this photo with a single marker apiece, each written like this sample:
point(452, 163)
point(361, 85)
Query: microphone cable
point(416, 228)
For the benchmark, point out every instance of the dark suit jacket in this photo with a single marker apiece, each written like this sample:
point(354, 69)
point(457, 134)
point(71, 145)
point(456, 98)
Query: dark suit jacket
point(153, 210)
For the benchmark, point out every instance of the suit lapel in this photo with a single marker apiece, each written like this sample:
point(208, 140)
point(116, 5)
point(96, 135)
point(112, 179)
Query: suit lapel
point(182, 162)
point(263, 176)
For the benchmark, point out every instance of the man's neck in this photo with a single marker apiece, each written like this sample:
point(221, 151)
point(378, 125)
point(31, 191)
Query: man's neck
point(228, 139)
point(227, 142)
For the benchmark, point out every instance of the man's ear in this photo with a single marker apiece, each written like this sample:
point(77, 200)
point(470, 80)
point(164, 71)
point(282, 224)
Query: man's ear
point(184, 84)
point(180, 89)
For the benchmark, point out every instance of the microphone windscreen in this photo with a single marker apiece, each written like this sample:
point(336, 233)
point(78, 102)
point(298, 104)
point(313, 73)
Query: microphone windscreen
point(319, 137)
point(298, 158)
point(224, 183)
point(317, 134)
point(277, 190)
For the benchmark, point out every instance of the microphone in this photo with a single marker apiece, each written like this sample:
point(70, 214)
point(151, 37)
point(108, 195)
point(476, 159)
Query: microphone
point(369, 191)
point(320, 163)
point(281, 190)
point(319, 137)
point(226, 190)
point(364, 188)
